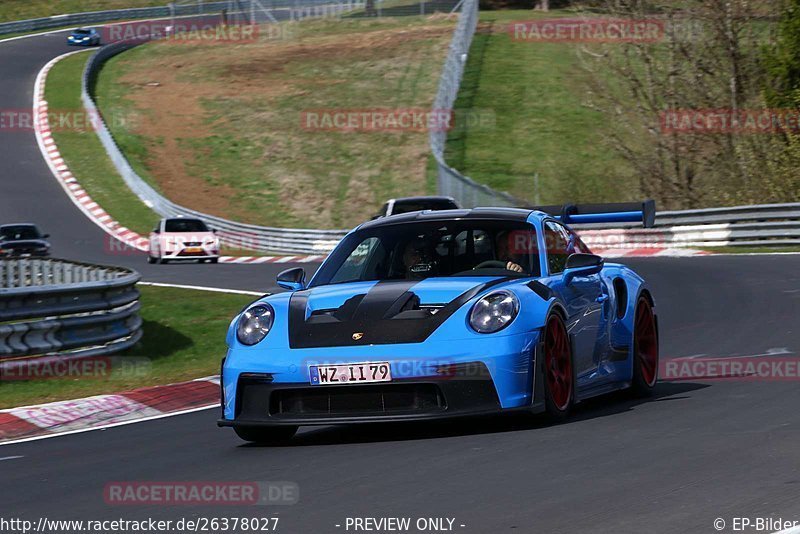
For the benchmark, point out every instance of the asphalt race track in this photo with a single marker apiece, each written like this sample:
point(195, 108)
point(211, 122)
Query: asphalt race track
point(30, 193)
point(695, 452)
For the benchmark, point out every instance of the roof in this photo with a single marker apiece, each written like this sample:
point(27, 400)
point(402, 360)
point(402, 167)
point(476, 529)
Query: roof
point(423, 199)
point(16, 224)
point(504, 214)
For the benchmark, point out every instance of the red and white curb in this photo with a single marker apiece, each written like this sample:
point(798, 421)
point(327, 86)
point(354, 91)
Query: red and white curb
point(104, 411)
point(90, 208)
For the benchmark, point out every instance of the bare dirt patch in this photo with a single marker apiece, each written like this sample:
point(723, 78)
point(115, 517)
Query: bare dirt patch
point(221, 124)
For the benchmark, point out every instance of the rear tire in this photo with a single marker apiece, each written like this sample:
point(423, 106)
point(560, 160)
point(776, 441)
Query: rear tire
point(645, 349)
point(271, 435)
point(214, 260)
point(150, 259)
point(559, 381)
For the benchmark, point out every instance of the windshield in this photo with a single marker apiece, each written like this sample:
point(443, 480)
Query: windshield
point(82, 32)
point(433, 249)
point(185, 225)
point(16, 233)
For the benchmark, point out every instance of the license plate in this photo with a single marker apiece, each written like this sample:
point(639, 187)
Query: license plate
point(350, 373)
point(193, 249)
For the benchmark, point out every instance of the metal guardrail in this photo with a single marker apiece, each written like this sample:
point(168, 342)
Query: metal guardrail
point(52, 306)
point(756, 225)
point(450, 182)
point(94, 17)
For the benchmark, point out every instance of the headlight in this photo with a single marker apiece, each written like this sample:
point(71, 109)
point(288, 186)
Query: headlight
point(254, 324)
point(494, 312)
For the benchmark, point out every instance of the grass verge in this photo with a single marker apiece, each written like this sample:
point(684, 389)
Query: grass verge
point(180, 343)
point(83, 152)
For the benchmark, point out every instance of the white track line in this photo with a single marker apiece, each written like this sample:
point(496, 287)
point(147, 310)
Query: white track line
point(110, 425)
point(51, 32)
point(205, 288)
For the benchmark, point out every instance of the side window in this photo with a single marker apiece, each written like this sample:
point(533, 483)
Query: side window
point(358, 264)
point(556, 242)
point(575, 244)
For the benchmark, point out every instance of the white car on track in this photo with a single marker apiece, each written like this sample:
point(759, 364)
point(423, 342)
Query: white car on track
point(183, 238)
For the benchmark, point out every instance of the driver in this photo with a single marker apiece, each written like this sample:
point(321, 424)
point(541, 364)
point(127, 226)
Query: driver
point(504, 253)
point(417, 259)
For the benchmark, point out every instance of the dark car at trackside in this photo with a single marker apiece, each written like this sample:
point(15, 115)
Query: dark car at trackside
point(23, 240)
point(396, 206)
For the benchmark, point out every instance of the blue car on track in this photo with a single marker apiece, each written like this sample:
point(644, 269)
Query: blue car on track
point(84, 37)
point(437, 314)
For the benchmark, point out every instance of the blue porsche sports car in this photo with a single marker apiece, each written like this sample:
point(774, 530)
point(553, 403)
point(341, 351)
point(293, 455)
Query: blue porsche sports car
point(84, 37)
point(438, 314)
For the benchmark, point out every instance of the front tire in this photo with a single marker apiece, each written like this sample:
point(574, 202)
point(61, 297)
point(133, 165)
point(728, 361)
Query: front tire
point(559, 382)
point(645, 349)
point(271, 435)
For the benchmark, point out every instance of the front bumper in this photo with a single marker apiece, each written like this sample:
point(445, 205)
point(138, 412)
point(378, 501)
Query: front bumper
point(430, 381)
point(468, 391)
point(184, 255)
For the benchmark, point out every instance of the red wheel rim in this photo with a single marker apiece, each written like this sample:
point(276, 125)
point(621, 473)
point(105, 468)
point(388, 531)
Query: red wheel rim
point(557, 363)
point(646, 342)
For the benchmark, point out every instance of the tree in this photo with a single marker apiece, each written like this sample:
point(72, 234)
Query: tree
point(782, 61)
point(708, 58)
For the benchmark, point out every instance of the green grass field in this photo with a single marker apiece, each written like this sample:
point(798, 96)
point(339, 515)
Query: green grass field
point(180, 343)
point(543, 126)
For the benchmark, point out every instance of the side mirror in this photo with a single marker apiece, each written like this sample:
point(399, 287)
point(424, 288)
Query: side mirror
point(292, 279)
point(45, 236)
point(214, 230)
point(582, 265)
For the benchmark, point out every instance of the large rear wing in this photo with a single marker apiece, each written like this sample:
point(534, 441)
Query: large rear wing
point(644, 212)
